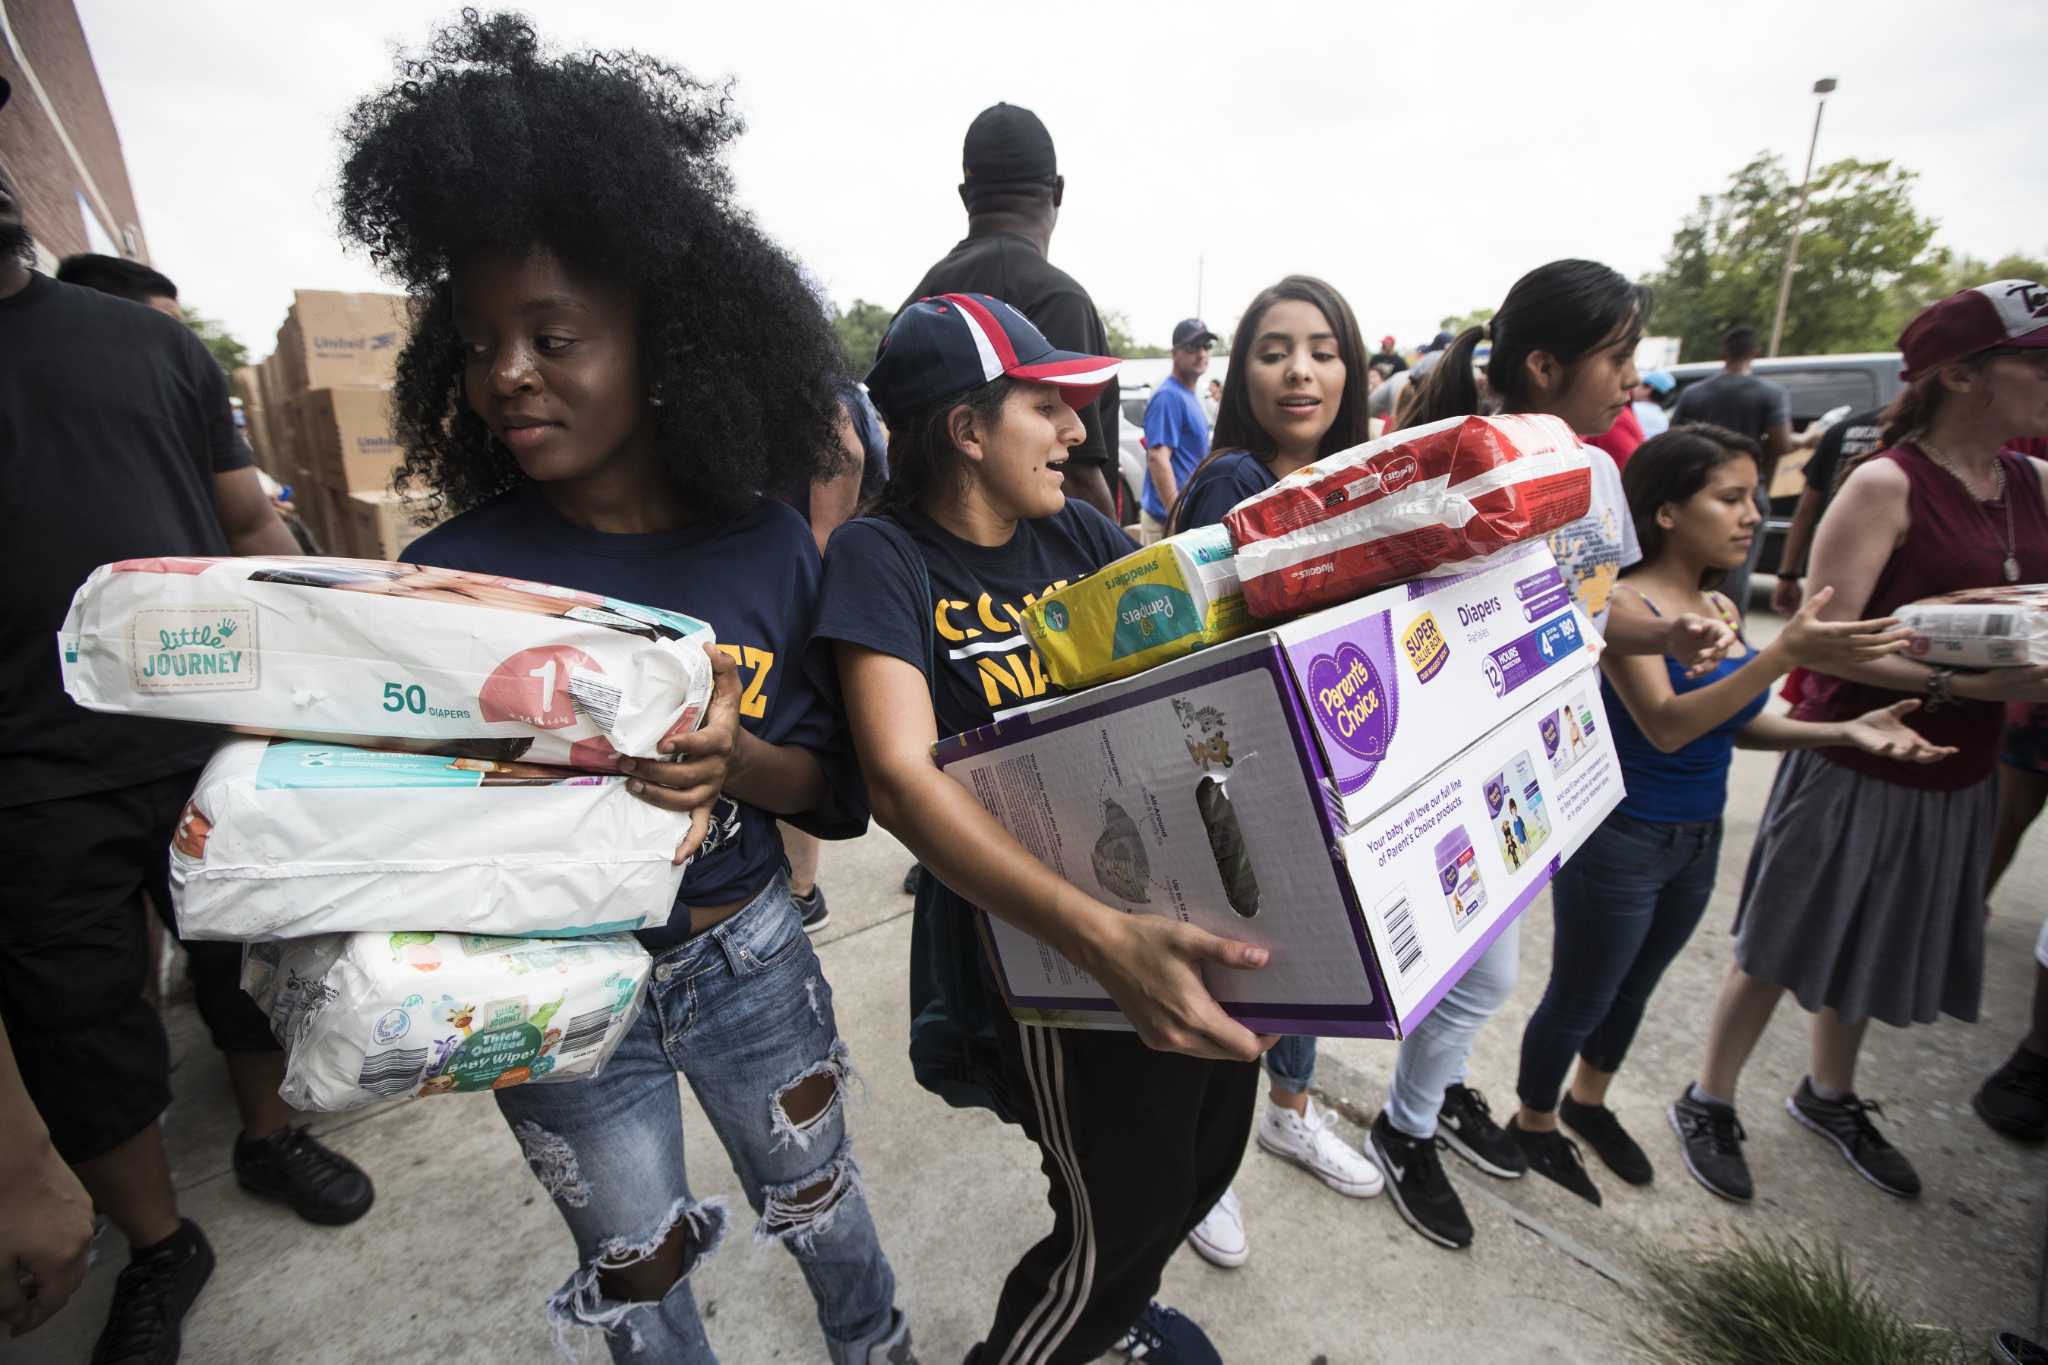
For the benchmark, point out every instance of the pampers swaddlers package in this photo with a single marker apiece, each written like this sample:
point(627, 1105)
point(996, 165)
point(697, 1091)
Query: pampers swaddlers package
point(372, 1016)
point(290, 837)
point(1321, 789)
point(394, 654)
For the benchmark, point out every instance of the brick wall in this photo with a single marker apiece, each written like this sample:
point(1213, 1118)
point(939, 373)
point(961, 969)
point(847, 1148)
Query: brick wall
point(53, 43)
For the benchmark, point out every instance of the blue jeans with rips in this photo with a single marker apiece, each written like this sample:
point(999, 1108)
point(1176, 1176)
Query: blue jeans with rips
point(744, 1013)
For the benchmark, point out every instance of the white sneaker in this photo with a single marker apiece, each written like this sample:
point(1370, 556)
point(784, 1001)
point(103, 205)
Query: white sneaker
point(1219, 1238)
point(1312, 1143)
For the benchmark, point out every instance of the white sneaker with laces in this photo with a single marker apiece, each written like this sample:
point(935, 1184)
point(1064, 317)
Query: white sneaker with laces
point(1311, 1142)
point(1219, 1238)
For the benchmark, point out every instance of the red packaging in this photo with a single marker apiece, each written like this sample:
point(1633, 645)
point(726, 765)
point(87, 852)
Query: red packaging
point(1411, 503)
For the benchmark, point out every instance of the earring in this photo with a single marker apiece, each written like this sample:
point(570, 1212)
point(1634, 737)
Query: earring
point(654, 399)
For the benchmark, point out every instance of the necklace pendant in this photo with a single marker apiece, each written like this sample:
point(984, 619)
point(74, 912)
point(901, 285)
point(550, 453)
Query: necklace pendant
point(2012, 569)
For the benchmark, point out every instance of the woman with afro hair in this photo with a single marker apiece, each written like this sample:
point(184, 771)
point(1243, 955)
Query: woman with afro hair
point(610, 366)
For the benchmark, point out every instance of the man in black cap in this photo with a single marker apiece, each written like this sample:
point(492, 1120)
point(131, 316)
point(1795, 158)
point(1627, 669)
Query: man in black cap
point(1012, 188)
point(1176, 429)
point(116, 442)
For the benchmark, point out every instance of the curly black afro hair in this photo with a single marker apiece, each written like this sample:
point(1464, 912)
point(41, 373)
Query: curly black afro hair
point(611, 162)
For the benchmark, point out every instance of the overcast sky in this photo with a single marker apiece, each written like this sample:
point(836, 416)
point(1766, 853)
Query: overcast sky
point(1420, 156)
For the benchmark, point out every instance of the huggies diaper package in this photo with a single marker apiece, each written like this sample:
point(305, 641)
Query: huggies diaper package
point(290, 837)
point(1998, 627)
point(340, 649)
point(1168, 599)
point(365, 1017)
point(1430, 499)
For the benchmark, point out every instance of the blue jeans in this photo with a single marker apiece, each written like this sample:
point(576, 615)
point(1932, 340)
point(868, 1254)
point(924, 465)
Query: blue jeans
point(1432, 1059)
point(744, 1013)
point(1291, 1063)
point(1625, 906)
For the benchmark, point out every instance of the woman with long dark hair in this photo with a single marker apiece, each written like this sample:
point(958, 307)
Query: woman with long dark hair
point(1629, 900)
point(567, 227)
point(1864, 894)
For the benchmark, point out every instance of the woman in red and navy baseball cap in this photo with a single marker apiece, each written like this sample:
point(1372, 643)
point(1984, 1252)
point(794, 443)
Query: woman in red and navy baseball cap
point(1139, 1134)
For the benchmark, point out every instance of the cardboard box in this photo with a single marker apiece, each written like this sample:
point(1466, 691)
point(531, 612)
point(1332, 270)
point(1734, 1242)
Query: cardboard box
point(381, 524)
point(1164, 601)
point(348, 442)
point(1334, 789)
point(341, 340)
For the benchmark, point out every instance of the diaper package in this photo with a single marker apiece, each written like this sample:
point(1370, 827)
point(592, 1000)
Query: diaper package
point(2001, 627)
point(366, 1017)
point(1426, 500)
point(347, 649)
point(1168, 599)
point(289, 837)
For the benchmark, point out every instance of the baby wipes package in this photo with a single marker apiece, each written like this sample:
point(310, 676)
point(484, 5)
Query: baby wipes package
point(365, 1017)
point(1998, 627)
point(289, 837)
point(1430, 499)
point(1168, 599)
point(353, 649)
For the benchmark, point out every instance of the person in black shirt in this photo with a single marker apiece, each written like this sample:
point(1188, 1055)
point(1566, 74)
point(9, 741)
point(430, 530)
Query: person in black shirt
point(1842, 447)
point(116, 442)
point(561, 396)
point(1139, 1133)
point(1012, 189)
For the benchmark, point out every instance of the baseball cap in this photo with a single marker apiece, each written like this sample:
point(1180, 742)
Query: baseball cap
point(1441, 340)
point(1007, 145)
point(2002, 313)
point(952, 343)
point(1386, 343)
point(1192, 332)
point(1660, 381)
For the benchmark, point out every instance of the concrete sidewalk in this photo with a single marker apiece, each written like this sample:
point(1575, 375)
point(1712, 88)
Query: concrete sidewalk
point(453, 1262)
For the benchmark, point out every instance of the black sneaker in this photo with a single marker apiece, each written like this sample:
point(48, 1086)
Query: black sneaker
point(2014, 1098)
point(1162, 1336)
point(1466, 1125)
point(1603, 1132)
point(1846, 1123)
point(1710, 1139)
point(1554, 1155)
point(816, 913)
point(291, 1167)
point(910, 879)
point(151, 1297)
point(1418, 1186)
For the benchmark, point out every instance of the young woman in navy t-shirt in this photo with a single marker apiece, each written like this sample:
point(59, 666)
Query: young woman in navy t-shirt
point(609, 369)
point(1139, 1133)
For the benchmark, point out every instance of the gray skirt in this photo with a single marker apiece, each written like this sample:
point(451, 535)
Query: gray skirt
point(1867, 896)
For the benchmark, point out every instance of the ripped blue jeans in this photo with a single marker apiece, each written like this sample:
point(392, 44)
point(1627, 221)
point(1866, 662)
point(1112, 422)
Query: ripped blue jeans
point(744, 1013)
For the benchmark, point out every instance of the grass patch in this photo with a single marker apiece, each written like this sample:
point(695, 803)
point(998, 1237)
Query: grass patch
point(1782, 1302)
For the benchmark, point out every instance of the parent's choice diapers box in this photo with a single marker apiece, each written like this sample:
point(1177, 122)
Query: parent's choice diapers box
point(1366, 791)
point(400, 655)
point(365, 1017)
point(283, 838)
point(1168, 599)
point(1995, 627)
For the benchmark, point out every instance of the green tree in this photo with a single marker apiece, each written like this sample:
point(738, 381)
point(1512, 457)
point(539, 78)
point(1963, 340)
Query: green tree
point(1955, 273)
point(1863, 247)
point(1478, 317)
point(1120, 343)
point(860, 330)
point(228, 353)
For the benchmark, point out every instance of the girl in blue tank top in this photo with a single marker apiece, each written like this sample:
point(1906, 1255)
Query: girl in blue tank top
point(1630, 899)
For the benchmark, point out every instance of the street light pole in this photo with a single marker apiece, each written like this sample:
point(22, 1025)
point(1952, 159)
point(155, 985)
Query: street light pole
point(1822, 88)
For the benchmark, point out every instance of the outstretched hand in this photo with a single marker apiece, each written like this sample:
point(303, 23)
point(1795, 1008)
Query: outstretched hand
point(1884, 732)
point(1831, 646)
point(1698, 642)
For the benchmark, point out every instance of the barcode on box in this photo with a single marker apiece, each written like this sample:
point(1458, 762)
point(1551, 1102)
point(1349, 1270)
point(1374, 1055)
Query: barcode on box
point(1998, 624)
point(393, 1072)
point(1397, 922)
point(585, 1031)
point(595, 697)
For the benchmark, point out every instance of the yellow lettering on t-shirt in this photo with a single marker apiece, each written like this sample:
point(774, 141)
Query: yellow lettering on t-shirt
point(754, 664)
point(947, 630)
point(985, 608)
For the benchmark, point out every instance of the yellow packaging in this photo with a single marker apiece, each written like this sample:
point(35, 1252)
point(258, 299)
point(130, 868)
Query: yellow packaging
point(1166, 600)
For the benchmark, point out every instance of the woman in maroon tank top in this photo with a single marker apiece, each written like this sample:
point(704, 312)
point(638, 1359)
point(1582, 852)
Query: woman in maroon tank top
point(1865, 889)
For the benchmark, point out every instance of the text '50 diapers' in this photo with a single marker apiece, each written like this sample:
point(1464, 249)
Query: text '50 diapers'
point(361, 649)
point(1411, 503)
point(290, 837)
point(1168, 599)
point(366, 1017)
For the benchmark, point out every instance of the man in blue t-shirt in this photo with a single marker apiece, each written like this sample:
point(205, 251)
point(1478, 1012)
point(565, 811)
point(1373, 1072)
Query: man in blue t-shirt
point(1176, 428)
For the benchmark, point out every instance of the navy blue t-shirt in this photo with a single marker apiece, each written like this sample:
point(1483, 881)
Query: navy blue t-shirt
point(755, 582)
point(1222, 484)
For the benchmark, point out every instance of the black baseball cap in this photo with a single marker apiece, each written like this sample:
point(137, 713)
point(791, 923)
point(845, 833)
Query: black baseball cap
point(1190, 332)
point(1007, 145)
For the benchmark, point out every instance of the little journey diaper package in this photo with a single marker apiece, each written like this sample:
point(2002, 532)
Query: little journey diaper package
point(411, 657)
point(372, 1016)
point(1168, 599)
point(1373, 792)
point(1999, 627)
point(290, 837)
point(1425, 500)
